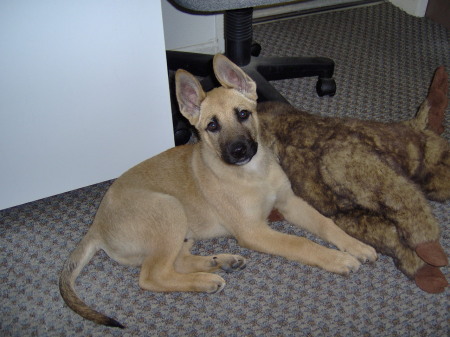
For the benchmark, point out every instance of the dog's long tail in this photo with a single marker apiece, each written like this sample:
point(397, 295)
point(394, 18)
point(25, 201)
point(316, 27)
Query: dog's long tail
point(82, 254)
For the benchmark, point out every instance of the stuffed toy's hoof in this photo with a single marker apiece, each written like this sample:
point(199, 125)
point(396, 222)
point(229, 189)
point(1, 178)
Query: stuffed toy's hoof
point(438, 100)
point(430, 279)
point(432, 253)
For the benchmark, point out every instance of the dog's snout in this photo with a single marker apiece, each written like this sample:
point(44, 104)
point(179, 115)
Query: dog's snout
point(240, 152)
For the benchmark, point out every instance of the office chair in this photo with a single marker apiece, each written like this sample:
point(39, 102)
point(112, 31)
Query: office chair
point(240, 48)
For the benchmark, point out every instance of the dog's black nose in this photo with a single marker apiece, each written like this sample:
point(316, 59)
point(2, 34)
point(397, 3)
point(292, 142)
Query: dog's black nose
point(240, 152)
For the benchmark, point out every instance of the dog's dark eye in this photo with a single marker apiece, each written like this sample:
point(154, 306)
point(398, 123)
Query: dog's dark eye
point(213, 126)
point(243, 114)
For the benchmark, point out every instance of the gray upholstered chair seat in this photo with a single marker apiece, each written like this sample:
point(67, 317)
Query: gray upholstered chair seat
point(225, 5)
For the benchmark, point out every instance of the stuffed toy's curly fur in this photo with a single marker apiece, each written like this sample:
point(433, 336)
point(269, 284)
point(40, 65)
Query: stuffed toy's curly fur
point(373, 178)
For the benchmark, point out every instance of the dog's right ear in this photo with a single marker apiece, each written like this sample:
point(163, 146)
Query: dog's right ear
point(189, 95)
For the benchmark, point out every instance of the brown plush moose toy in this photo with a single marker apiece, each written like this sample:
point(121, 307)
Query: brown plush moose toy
point(372, 178)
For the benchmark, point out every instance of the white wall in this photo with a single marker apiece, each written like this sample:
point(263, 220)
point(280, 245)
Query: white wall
point(413, 7)
point(83, 93)
point(201, 33)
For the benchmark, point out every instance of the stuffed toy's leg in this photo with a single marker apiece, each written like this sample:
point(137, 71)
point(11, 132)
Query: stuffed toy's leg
point(436, 186)
point(356, 172)
point(346, 169)
point(380, 233)
point(436, 168)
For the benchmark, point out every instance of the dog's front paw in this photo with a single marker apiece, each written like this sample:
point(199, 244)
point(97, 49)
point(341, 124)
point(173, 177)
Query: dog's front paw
point(361, 251)
point(228, 262)
point(209, 283)
point(343, 263)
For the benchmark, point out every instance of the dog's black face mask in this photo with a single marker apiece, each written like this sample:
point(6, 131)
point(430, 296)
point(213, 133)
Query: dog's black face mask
point(240, 151)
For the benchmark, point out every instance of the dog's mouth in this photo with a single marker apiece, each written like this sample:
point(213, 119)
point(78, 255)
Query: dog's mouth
point(239, 152)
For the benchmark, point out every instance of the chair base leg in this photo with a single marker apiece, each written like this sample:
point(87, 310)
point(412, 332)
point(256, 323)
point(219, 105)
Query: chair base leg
point(261, 70)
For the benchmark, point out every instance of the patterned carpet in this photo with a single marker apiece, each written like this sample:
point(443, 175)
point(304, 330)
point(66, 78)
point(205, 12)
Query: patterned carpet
point(384, 62)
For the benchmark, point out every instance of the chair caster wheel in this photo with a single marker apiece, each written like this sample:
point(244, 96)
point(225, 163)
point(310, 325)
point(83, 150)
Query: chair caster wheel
point(181, 130)
point(255, 49)
point(182, 136)
point(326, 86)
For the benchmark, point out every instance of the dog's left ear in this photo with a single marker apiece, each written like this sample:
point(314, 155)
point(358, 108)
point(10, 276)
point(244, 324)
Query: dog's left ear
point(190, 95)
point(233, 77)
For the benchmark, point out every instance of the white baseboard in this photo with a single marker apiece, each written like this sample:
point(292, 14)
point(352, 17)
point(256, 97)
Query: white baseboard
point(209, 47)
point(412, 7)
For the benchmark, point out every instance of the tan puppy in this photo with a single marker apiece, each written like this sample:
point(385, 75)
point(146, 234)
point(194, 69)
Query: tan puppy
point(225, 185)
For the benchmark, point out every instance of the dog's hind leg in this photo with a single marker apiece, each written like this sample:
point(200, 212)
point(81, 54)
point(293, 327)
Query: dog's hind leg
point(189, 263)
point(158, 273)
point(162, 234)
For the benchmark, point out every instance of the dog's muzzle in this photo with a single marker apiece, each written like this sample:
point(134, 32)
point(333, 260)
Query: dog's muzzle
point(239, 152)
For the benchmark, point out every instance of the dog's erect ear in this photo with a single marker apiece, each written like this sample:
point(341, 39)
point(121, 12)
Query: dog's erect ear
point(233, 77)
point(189, 95)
